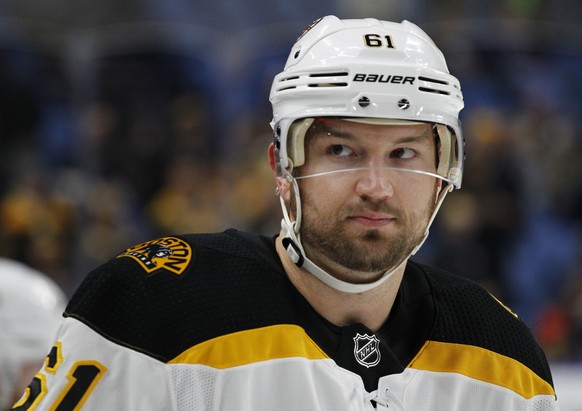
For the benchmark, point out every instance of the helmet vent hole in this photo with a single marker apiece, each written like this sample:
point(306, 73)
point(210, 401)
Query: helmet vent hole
point(433, 80)
point(338, 74)
point(328, 85)
point(432, 85)
point(331, 79)
point(434, 90)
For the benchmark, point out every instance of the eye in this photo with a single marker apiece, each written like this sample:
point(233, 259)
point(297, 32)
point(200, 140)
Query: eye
point(339, 150)
point(403, 153)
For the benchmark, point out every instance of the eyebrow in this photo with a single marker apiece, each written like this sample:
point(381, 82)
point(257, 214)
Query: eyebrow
point(424, 138)
point(322, 125)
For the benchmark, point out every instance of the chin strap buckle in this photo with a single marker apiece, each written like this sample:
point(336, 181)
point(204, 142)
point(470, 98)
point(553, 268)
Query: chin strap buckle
point(293, 251)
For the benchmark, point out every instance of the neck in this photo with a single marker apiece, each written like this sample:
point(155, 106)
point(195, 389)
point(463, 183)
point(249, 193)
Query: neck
point(370, 308)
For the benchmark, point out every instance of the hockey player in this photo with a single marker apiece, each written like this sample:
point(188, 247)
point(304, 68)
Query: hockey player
point(331, 314)
point(31, 305)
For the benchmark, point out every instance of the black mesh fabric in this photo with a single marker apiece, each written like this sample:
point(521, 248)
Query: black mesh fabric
point(228, 288)
point(467, 314)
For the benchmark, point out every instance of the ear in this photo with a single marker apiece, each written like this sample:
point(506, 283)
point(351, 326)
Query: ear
point(283, 185)
point(272, 159)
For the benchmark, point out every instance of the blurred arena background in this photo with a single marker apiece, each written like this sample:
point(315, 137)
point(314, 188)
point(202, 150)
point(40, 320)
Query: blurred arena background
point(124, 120)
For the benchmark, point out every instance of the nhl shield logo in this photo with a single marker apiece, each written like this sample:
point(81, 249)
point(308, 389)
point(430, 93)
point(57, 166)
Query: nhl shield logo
point(367, 350)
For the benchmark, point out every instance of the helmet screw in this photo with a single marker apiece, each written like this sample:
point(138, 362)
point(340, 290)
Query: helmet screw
point(364, 101)
point(277, 138)
point(403, 104)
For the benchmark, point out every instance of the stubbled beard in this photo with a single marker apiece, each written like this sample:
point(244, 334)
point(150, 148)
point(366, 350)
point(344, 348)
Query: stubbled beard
point(371, 251)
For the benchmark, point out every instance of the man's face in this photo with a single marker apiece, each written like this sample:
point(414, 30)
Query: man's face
point(370, 218)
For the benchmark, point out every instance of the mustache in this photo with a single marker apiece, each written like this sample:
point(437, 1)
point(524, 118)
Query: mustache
point(378, 206)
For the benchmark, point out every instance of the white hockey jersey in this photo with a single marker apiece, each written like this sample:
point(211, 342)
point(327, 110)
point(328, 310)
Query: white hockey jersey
point(211, 322)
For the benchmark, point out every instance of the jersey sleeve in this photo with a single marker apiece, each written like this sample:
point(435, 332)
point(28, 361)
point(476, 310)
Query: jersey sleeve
point(86, 371)
point(112, 345)
point(477, 337)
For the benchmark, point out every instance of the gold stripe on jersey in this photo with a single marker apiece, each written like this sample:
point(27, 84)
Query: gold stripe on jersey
point(481, 364)
point(252, 346)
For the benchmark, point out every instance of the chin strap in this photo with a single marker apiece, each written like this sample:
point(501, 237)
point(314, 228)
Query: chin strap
point(437, 207)
point(292, 244)
point(297, 255)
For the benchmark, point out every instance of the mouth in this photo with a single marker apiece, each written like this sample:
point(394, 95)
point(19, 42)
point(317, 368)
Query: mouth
point(372, 219)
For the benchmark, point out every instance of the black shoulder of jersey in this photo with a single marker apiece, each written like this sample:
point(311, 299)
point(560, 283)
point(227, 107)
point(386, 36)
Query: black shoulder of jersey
point(166, 295)
point(468, 314)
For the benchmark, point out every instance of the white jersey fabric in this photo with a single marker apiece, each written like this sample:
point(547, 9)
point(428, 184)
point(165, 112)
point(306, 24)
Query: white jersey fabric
point(210, 322)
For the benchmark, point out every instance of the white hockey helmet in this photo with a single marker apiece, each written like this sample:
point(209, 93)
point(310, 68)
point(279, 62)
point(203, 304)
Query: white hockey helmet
point(369, 69)
point(31, 305)
point(362, 70)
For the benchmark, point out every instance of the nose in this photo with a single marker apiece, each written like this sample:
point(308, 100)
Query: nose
point(374, 182)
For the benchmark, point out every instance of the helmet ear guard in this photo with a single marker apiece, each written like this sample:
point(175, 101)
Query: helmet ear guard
point(296, 146)
point(449, 166)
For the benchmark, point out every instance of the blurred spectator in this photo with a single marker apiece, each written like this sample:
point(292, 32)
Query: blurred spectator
point(31, 305)
point(36, 224)
point(572, 306)
point(188, 198)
